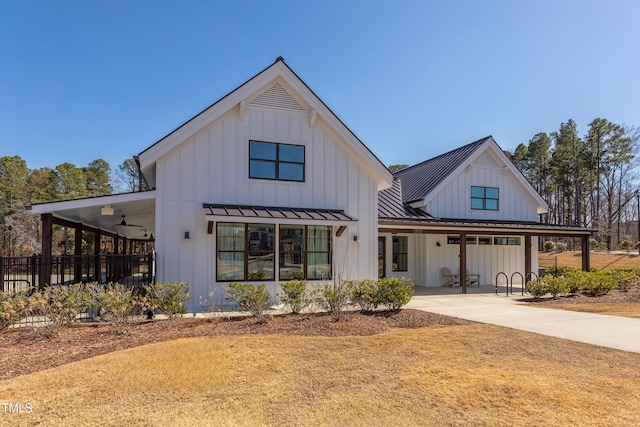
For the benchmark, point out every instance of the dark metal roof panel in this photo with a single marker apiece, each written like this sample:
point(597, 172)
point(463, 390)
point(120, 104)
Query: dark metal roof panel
point(250, 212)
point(390, 204)
point(419, 180)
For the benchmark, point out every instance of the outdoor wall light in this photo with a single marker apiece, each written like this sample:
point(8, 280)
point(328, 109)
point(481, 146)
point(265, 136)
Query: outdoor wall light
point(355, 237)
point(186, 235)
point(106, 210)
point(438, 244)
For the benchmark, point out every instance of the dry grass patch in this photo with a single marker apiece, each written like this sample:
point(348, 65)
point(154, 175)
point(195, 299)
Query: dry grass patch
point(603, 260)
point(468, 375)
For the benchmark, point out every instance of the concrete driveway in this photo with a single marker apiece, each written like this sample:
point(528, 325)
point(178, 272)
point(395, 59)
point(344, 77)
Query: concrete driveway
point(621, 333)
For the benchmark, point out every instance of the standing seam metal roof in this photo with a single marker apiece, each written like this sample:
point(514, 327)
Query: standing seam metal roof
point(419, 180)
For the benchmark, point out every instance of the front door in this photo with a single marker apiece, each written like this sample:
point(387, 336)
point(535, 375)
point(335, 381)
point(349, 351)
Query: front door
point(382, 257)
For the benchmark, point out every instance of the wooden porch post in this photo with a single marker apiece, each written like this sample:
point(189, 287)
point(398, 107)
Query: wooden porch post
point(97, 273)
point(47, 246)
point(77, 251)
point(463, 262)
point(586, 254)
point(527, 257)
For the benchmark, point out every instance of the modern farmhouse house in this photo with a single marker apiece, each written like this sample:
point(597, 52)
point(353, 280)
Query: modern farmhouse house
point(268, 184)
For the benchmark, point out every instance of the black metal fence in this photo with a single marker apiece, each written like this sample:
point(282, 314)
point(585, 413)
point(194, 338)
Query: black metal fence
point(21, 273)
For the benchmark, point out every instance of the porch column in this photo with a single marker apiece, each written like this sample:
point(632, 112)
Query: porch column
point(97, 273)
point(527, 257)
point(463, 262)
point(586, 254)
point(77, 251)
point(47, 245)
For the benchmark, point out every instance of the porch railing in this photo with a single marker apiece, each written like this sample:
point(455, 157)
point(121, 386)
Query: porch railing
point(21, 273)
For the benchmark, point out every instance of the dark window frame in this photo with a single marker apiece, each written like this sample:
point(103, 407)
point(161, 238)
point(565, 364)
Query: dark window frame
point(484, 198)
point(247, 251)
point(398, 258)
point(304, 253)
point(277, 161)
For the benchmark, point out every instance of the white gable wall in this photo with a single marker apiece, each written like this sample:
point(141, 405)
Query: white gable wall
point(212, 167)
point(454, 199)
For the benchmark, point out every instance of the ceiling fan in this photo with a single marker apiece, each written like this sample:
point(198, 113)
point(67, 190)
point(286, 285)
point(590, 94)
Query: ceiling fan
point(123, 223)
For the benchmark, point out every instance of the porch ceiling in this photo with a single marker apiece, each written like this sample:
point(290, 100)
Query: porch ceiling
point(138, 210)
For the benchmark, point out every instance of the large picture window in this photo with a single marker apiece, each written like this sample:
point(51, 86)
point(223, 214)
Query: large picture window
point(400, 253)
point(245, 252)
point(484, 198)
point(305, 252)
point(270, 160)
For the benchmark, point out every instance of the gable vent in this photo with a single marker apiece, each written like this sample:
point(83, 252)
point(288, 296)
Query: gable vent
point(277, 96)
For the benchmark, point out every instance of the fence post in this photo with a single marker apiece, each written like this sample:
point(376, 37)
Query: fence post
point(2, 273)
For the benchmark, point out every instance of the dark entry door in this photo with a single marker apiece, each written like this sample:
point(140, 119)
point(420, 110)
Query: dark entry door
point(382, 257)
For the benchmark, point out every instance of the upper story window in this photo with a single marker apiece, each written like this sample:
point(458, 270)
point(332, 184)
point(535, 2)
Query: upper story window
point(484, 198)
point(271, 160)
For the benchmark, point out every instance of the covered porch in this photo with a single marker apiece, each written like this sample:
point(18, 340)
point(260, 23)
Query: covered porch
point(479, 254)
point(111, 239)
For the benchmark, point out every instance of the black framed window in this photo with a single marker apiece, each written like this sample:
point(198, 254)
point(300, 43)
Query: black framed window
point(400, 246)
point(277, 161)
point(305, 252)
point(245, 252)
point(511, 241)
point(485, 198)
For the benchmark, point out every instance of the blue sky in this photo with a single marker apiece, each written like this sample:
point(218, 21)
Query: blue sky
point(88, 79)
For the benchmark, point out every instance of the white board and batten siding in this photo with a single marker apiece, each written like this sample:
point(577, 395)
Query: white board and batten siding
point(212, 166)
point(454, 199)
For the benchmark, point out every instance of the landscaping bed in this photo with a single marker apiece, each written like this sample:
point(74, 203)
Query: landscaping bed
point(32, 349)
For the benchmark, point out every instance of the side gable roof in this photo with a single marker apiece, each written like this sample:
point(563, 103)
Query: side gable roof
point(422, 181)
point(241, 94)
point(419, 180)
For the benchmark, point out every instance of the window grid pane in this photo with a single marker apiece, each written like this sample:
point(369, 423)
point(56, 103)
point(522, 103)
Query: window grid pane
point(271, 160)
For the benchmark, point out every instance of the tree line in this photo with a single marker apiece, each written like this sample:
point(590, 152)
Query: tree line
point(589, 180)
point(21, 186)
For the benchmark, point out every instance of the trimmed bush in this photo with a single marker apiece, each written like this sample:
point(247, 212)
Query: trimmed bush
point(253, 299)
point(394, 292)
point(62, 304)
point(366, 294)
point(561, 247)
point(169, 298)
point(537, 288)
point(555, 285)
point(113, 302)
point(549, 246)
point(13, 307)
point(576, 281)
point(295, 295)
point(335, 298)
point(601, 282)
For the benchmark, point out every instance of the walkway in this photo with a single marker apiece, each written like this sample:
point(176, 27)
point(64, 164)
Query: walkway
point(616, 332)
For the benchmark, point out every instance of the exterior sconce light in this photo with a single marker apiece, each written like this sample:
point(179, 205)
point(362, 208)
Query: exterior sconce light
point(186, 235)
point(355, 237)
point(438, 244)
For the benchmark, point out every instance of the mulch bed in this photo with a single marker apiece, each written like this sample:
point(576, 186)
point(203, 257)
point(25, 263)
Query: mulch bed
point(32, 349)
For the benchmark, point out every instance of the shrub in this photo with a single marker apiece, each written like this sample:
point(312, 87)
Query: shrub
point(253, 299)
point(61, 304)
point(549, 246)
point(113, 303)
point(13, 307)
point(593, 244)
point(626, 245)
point(537, 288)
point(295, 295)
point(335, 298)
point(561, 247)
point(365, 293)
point(394, 292)
point(601, 282)
point(555, 285)
point(169, 298)
point(576, 281)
